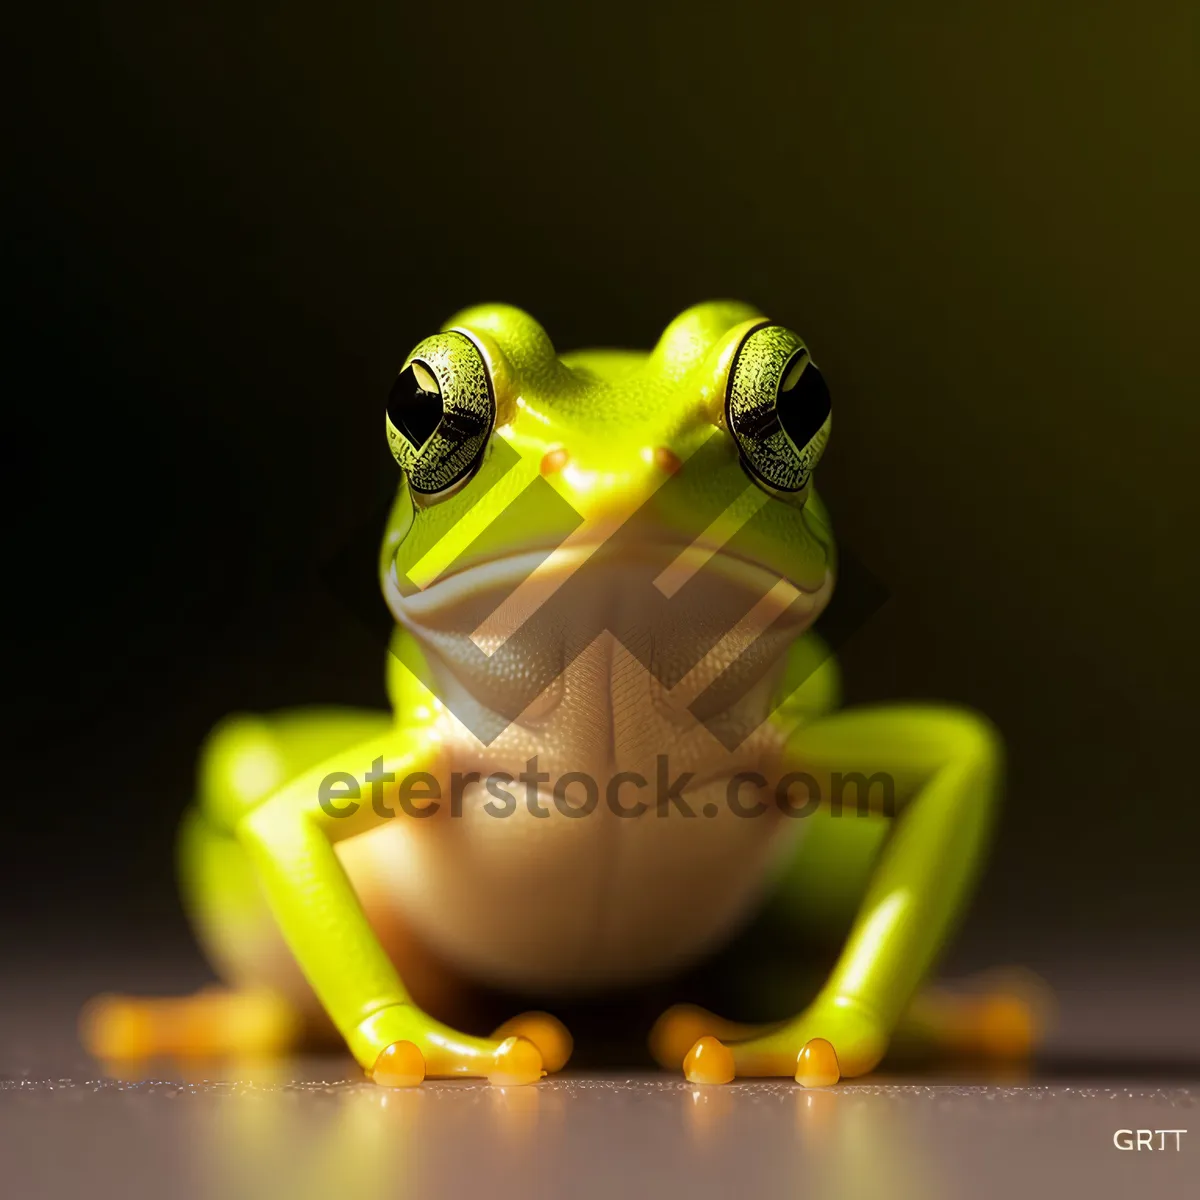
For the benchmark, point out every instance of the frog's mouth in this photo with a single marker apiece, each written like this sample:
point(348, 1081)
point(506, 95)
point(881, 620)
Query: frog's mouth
point(522, 582)
point(684, 606)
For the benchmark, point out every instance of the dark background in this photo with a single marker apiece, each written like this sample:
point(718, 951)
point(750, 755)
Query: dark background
point(225, 231)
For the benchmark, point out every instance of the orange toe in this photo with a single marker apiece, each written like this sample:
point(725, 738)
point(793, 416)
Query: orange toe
point(709, 1061)
point(676, 1032)
point(400, 1065)
point(546, 1032)
point(1007, 1027)
point(117, 1028)
point(817, 1064)
point(517, 1061)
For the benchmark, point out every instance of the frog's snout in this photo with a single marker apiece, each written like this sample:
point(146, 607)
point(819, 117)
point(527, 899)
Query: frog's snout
point(595, 490)
point(662, 457)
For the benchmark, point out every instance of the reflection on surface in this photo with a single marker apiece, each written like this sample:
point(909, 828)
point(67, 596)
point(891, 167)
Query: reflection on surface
point(349, 1136)
point(253, 1131)
point(834, 1143)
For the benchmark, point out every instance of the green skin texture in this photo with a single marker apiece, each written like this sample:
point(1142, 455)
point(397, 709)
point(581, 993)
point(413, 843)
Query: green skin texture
point(607, 407)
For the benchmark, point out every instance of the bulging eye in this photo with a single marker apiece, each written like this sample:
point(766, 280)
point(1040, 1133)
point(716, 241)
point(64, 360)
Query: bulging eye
point(440, 412)
point(777, 408)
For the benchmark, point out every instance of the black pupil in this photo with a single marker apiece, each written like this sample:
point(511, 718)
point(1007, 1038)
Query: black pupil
point(803, 410)
point(413, 411)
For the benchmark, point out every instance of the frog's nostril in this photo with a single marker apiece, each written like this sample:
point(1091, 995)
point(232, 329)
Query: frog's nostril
point(555, 460)
point(666, 459)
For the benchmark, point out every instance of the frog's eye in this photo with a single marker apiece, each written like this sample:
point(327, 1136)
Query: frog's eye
point(440, 412)
point(777, 408)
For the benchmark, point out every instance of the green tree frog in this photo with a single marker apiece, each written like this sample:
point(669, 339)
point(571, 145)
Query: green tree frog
point(609, 802)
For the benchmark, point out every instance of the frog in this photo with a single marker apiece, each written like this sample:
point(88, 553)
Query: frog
point(342, 867)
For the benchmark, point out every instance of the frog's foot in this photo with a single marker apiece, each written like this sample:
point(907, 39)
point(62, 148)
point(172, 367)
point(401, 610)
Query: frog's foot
point(212, 1023)
point(546, 1032)
point(1002, 1019)
point(416, 1047)
point(824, 1044)
point(683, 1025)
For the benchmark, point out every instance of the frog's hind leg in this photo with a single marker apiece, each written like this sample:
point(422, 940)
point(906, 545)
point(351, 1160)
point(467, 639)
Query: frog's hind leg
point(1001, 1018)
point(264, 1005)
point(214, 1022)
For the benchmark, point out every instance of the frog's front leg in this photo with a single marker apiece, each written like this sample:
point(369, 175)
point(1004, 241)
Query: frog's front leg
point(944, 766)
point(290, 839)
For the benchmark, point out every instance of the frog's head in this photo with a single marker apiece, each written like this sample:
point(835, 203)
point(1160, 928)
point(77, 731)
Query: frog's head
point(517, 460)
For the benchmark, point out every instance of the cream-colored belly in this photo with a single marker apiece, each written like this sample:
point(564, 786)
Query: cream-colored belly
point(567, 903)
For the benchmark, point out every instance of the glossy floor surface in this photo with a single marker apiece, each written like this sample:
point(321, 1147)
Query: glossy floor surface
point(313, 1127)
